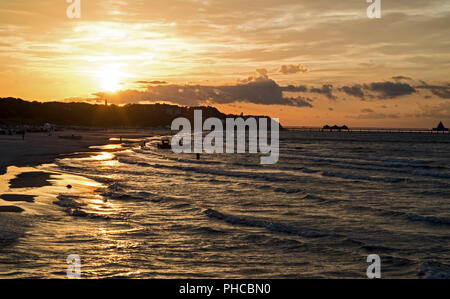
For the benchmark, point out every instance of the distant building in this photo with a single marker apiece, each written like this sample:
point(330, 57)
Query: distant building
point(335, 128)
point(440, 128)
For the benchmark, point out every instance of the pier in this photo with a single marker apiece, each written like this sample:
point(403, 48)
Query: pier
point(440, 129)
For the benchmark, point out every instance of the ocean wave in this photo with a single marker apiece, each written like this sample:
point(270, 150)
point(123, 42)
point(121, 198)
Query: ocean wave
point(118, 196)
point(415, 168)
point(75, 212)
point(404, 170)
point(263, 187)
point(389, 213)
point(272, 226)
point(139, 196)
point(115, 186)
point(413, 217)
point(361, 177)
point(429, 219)
point(313, 197)
point(376, 248)
point(180, 206)
point(78, 212)
point(209, 231)
point(71, 205)
point(132, 162)
point(391, 160)
point(176, 159)
point(287, 191)
point(307, 170)
point(116, 191)
point(68, 201)
point(287, 244)
point(7, 238)
point(270, 177)
point(434, 171)
point(434, 270)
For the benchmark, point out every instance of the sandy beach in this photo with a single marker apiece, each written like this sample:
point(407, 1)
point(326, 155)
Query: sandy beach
point(38, 148)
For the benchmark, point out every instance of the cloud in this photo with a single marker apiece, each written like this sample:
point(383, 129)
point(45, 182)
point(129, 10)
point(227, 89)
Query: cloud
point(260, 89)
point(293, 69)
point(371, 114)
point(389, 90)
point(355, 90)
point(381, 90)
point(438, 112)
point(261, 75)
point(293, 88)
point(441, 91)
point(229, 36)
point(263, 72)
point(256, 90)
point(300, 102)
point(155, 82)
point(326, 89)
point(400, 78)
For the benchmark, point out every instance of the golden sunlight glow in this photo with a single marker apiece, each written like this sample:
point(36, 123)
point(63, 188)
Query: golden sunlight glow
point(110, 80)
point(124, 52)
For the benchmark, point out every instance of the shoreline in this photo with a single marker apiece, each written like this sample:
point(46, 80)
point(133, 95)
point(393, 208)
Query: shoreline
point(41, 148)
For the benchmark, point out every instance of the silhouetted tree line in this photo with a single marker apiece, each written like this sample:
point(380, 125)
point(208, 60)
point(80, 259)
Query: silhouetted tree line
point(15, 111)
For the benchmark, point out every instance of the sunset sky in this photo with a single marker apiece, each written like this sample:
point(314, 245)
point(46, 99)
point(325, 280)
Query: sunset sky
point(309, 63)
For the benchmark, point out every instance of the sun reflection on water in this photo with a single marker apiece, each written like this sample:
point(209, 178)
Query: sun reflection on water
point(107, 147)
point(102, 156)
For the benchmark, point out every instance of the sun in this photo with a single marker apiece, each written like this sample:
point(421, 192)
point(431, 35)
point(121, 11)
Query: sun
point(110, 79)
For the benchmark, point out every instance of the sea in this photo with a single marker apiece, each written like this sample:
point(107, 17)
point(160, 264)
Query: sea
point(333, 199)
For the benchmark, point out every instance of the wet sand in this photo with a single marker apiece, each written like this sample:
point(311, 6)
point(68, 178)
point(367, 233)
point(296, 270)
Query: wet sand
point(40, 148)
point(17, 197)
point(35, 179)
point(10, 209)
point(32, 179)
